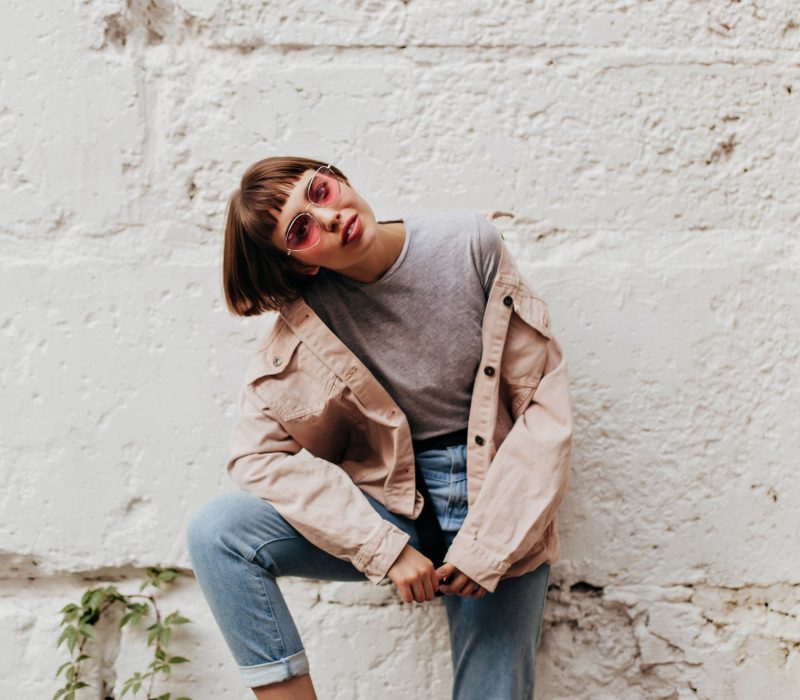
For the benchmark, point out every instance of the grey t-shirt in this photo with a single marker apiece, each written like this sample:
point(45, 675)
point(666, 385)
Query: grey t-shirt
point(418, 328)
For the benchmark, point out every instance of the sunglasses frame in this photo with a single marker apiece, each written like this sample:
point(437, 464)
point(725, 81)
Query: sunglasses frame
point(329, 167)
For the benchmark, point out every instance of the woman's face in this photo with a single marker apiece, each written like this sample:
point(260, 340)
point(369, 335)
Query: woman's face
point(330, 252)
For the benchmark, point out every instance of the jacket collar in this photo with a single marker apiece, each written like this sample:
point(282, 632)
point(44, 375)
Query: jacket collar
point(298, 321)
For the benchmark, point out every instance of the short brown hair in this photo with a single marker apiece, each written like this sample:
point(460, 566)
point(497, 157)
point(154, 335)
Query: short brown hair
point(257, 276)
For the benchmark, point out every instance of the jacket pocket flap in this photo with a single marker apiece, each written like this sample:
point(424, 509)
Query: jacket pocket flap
point(533, 311)
point(275, 357)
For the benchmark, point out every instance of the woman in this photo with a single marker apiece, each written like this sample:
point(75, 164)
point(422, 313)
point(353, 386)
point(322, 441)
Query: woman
point(407, 416)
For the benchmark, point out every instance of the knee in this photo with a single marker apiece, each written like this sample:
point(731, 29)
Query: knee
point(219, 521)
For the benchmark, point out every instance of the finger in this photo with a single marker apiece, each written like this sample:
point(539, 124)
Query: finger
point(419, 592)
point(469, 588)
point(459, 583)
point(427, 586)
point(449, 583)
point(405, 592)
point(449, 587)
point(444, 571)
point(479, 591)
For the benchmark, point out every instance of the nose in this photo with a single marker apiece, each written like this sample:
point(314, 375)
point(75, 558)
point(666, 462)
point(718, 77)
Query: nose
point(329, 218)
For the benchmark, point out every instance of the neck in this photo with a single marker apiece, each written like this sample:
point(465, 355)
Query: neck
point(382, 254)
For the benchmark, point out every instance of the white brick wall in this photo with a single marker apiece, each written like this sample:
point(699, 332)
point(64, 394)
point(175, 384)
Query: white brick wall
point(646, 153)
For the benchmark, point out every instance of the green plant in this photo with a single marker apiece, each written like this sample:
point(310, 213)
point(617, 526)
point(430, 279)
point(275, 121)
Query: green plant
point(78, 619)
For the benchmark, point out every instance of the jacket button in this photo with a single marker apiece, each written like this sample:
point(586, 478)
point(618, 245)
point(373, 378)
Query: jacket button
point(277, 361)
point(479, 439)
point(488, 370)
point(508, 301)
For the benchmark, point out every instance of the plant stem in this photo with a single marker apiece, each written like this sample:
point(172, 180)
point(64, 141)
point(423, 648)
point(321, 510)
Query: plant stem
point(158, 644)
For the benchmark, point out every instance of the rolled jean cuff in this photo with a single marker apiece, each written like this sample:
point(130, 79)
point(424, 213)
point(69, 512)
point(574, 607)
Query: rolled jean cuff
point(275, 671)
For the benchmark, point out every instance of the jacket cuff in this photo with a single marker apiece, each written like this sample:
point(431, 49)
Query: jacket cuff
point(381, 550)
point(470, 558)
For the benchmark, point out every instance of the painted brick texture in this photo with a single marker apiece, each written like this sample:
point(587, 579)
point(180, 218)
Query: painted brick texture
point(641, 161)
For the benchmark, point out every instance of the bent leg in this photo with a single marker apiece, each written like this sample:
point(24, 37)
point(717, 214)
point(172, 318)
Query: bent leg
point(238, 545)
point(494, 638)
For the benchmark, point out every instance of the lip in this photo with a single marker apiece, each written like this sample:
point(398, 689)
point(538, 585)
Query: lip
point(355, 232)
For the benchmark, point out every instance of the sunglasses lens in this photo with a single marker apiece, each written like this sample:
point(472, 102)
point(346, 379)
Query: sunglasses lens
point(324, 188)
point(303, 233)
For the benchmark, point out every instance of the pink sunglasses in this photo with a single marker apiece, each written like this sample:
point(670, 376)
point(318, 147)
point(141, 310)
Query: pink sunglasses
point(304, 230)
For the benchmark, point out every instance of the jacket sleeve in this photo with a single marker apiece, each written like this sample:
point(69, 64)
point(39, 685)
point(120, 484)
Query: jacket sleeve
point(525, 482)
point(313, 495)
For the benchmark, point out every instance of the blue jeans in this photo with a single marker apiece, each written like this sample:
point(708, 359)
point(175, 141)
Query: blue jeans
point(239, 545)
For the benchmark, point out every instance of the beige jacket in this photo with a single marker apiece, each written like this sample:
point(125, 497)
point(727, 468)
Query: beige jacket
point(316, 429)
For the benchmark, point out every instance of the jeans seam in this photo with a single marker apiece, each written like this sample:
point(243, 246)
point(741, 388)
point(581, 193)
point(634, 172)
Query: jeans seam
point(284, 661)
point(261, 573)
point(544, 603)
point(264, 544)
point(448, 516)
point(451, 493)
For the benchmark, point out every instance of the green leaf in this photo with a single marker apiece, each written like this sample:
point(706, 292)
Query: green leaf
point(59, 693)
point(86, 630)
point(153, 578)
point(134, 683)
point(70, 612)
point(137, 611)
point(160, 655)
point(90, 616)
point(178, 660)
point(97, 598)
point(168, 576)
point(72, 638)
point(81, 684)
point(164, 635)
point(175, 618)
point(62, 667)
point(68, 631)
point(156, 666)
point(113, 594)
point(153, 632)
point(82, 657)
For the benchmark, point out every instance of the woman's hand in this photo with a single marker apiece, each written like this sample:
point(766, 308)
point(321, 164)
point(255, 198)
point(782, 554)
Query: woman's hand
point(460, 584)
point(414, 576)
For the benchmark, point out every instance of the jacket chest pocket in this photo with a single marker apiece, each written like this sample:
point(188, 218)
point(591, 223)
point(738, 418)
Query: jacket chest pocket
point(295, 385)
point(525, 350)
